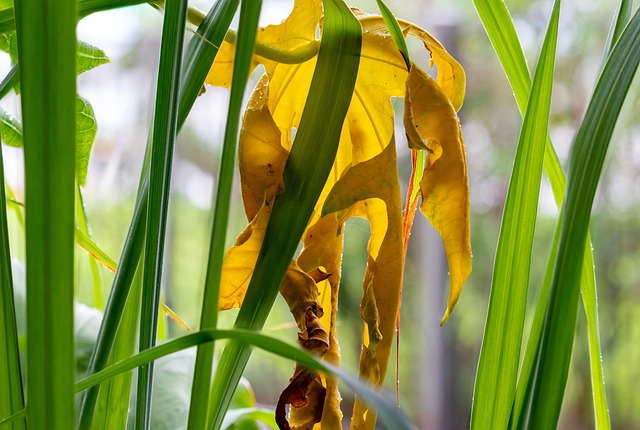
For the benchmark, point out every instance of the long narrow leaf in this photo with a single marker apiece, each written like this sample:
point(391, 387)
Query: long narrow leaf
point(249, 14)
point(587, 157)
point(620, 20)
point(500, 354)
point(12, 399)
point(48, 96)
point(193, 78)
point(501, 31)
point(112, 407)
point(9, 81)
point(165, 124)
point(389, 414)
point(305, 173)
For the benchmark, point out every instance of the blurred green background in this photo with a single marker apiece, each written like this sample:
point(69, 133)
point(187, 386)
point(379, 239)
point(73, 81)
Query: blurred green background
point(437, 365)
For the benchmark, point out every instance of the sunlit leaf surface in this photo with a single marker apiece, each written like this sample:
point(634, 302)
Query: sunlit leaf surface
point(363, 182)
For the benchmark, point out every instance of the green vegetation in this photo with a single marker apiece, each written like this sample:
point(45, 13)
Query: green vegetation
point(120, 313)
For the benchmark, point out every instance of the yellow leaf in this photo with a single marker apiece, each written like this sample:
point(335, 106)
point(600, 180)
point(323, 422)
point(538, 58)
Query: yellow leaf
point(363, 182)
point(444, 186)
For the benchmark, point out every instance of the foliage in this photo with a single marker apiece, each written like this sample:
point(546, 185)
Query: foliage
point(316, 148)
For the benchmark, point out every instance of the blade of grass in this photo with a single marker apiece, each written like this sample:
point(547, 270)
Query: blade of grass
point(165, 124)
point(501, 31)
point(11, 419)
point(85, 8)
point(248, 27)
point(526, 384)
point(522, 402)
point(587, 157)
point(202, 50)
point(112, 407)
point(620, 20)
point(525, 380)
point(389, 414)
point(500, 355)
point(48, 96)
point(9, 81)
point(84, 229)
point(12, 399)
point(305, 173)
point(396, 33)
point(197, 65)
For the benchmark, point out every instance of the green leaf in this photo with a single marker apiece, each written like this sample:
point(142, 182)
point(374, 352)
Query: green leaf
point(195, 67)
point(501, 31)
point(9, 81)
point(89, 57)
point(112, 406)
point(245, 419)
point(165, 125)
point(389, 413)
point(10, 129)
point(12, 418)
point(313, 152)
point(249, 14)
point(587, 157)
point(48, 97)
point(395, 31)
point(500, 354)
point(9, 44)
point(12, 399)
point(86, 129)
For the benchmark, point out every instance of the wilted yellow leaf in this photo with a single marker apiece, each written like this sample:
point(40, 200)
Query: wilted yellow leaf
point(444, 186)
point(363, 182)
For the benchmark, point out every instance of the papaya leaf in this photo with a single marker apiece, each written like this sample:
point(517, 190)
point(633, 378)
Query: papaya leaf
point(89, 57)
point(363, 182)
point(10, 129)
point(86, 129)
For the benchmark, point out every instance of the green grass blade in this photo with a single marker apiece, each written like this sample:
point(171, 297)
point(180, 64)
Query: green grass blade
point(305, 173)
point(12, 399)
point(525, 380)
point(500, 354)
point(11, 419)
point(83, 238)
point(202, 49)
point(248, 27)
point(48, 96)
point(193, 79)
point(112, 407)
point(501, 31)
point(116, 303)
point(165, 124)
point(620, 20)
point(85, 7)
point(587, 157)
point(388, 413)
point(395, 31)
point(9, 81)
